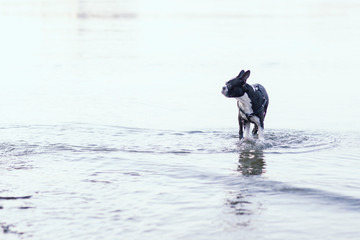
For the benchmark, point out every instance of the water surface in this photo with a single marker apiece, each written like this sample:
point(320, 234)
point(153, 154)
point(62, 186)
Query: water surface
point(113, 126)
point(95, 181)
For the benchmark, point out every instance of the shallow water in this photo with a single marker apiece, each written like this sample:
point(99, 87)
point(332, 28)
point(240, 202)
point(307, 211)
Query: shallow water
point(113, 126)
point(91, 181)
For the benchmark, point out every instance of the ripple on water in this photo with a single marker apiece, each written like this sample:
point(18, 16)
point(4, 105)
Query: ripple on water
point(289, 142)
point(146, 141)
point(299, 141)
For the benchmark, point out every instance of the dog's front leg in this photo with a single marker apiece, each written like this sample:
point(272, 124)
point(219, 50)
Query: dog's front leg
point(247, 129)
point(241, 126)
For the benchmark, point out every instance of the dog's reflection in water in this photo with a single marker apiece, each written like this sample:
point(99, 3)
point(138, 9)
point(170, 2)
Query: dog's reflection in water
point(243, 202)
point(251, 162)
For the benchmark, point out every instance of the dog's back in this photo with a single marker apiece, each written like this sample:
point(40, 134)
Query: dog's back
point(252, 101)
point(260, 88)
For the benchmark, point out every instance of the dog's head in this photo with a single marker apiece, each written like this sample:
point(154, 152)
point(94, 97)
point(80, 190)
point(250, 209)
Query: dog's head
point(235, 87)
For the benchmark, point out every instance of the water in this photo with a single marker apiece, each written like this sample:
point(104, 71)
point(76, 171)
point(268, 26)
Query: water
point(113, 125)
point(93, 181)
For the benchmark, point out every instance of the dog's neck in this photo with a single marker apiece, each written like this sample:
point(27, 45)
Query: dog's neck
point(246, 102)
point(249, 92)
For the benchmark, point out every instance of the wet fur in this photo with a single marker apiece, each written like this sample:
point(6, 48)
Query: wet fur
point(251, 99)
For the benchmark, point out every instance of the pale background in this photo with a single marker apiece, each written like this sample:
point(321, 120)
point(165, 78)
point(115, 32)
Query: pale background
point(161, 64)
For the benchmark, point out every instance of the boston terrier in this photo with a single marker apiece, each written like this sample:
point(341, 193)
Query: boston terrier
point(252, 101)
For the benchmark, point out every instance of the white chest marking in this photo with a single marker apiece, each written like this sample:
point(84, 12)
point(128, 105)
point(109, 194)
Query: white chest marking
point(244, 103)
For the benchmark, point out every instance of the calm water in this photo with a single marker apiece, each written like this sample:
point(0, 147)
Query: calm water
point(113, 126)
point(79, 181)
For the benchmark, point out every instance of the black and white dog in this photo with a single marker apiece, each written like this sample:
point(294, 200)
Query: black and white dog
point(252, 101)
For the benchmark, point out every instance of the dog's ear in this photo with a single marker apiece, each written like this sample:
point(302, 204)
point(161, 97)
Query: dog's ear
point(245, 76)
point(240, 74)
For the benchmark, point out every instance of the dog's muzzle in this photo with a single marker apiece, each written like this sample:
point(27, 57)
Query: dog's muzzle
point(224, 91)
